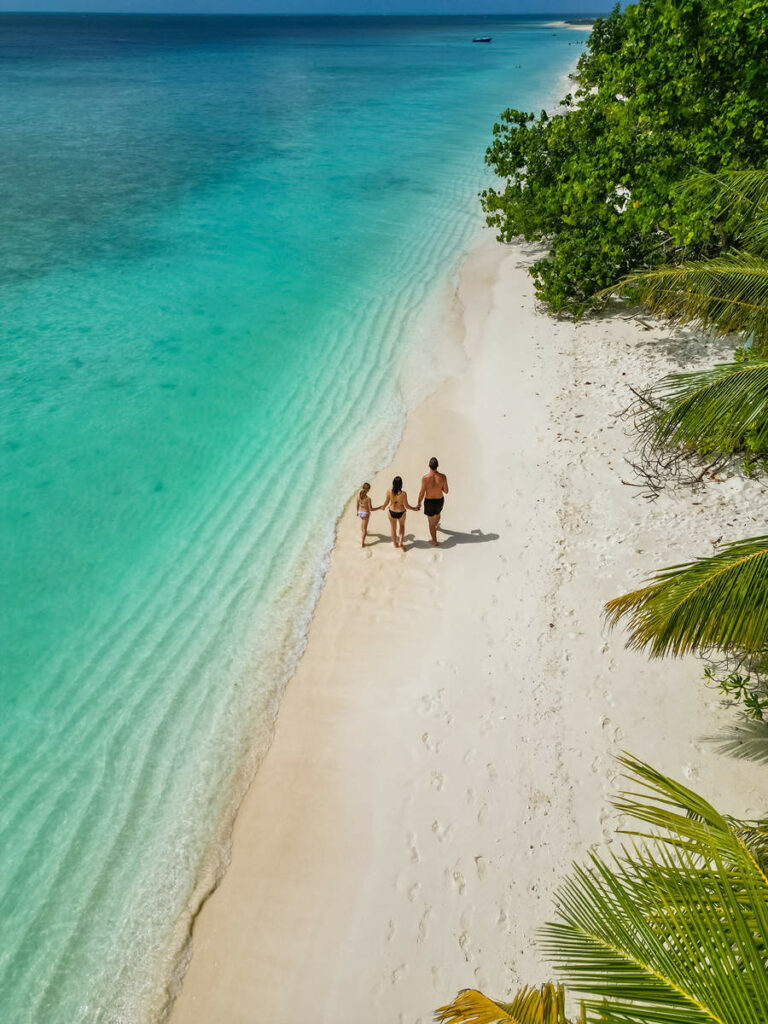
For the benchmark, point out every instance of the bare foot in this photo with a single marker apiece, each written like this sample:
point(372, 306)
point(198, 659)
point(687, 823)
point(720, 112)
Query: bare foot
point(435, 543)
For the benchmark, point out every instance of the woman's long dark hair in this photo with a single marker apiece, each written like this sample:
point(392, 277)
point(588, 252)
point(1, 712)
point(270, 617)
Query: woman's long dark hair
point(397, 485)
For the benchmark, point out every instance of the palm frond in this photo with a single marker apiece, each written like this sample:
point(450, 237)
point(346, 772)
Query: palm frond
point(675, 931)
point(740, 197)
point(545, 1005)
point(688, 818)
point(745, 189)
point(714, 603)
point(754, 236)
point(728, 294)
point(723, 409)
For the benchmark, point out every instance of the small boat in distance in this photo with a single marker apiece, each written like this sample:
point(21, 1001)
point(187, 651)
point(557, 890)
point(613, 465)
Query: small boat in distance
point(482, 39)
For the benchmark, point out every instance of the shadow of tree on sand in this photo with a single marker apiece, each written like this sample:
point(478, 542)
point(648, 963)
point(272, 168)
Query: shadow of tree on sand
point(747, 741)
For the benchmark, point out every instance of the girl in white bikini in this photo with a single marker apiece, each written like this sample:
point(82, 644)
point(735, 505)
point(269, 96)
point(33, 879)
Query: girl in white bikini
point(364, 509)
point(397, 500)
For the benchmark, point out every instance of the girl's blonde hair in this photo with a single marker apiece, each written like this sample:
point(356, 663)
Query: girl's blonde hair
point(363, 491)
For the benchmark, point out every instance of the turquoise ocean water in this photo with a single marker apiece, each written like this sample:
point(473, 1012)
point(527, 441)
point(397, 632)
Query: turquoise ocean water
point(216, 238)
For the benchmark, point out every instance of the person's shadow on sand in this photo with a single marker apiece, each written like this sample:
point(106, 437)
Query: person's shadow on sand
point(451, 538)
point(373, 539)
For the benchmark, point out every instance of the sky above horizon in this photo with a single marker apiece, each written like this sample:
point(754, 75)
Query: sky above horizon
point(548, 7)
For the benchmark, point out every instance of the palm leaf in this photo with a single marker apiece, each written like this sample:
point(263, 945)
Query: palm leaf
point(545, 1005)
point(688, 818)
point(745, 190)
point(744, 193)
point(671, 932)
point(675, 932)
point(718, 410)
point(714, 603)
point(728, 294)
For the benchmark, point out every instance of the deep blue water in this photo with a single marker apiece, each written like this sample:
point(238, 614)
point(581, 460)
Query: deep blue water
point(217, 239)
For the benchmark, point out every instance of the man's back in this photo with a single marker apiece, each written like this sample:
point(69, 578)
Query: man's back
point(434, 484)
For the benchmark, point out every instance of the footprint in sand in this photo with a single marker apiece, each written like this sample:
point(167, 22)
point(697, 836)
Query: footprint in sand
point(437, 781)
point(458, 881)
point(413, 849)
point(430, 701)
point(413, 892)
point(442, 832)
point(606, 821)
point(481, 978)
point(486, 724)
point(482, 867)
point(433, 746)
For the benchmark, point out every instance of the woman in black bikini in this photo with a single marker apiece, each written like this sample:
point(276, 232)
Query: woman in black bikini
point(397, 500)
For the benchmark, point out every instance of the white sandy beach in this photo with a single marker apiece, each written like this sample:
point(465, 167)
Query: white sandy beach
point(569, 24)
point(444, 750)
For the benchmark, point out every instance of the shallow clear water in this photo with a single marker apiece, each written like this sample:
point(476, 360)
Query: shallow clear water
point(215, 239)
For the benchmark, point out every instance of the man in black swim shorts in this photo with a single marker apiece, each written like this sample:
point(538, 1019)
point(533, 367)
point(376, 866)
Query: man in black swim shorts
point(433, 486)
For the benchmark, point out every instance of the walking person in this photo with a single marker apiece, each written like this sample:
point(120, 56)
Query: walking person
point(434, 487)
point(397, 500)
point(364, 509)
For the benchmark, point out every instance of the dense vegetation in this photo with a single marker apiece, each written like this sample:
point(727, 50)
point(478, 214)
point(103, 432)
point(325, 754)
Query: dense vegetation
point(727, 294)
point(706, 417)
point(663, 88)
point(674, 929)
point(716, 605)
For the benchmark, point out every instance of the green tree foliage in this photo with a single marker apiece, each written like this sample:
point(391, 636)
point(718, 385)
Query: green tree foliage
point(673, 929)
point(718, 412)
point(727, 294)
point(664, 87)
point(713, 604)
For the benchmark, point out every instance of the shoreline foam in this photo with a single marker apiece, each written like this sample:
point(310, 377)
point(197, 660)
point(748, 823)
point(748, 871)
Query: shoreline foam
point(443, 750)
point(432, 364)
